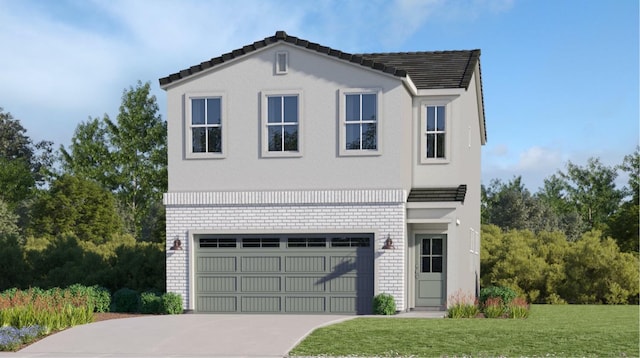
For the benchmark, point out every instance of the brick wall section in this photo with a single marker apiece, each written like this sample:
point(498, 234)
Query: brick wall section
point(379, 211)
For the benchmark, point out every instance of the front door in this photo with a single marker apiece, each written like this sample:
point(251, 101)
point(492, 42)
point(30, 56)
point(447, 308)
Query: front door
point(431, 268)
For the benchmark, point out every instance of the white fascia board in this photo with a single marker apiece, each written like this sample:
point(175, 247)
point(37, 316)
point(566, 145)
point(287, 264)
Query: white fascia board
point(441, 92)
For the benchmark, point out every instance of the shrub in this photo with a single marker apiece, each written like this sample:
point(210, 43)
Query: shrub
point(384, 304)
point(126, 300)
point(462, 306)
point(97, 297)
point(518, 308)
point(171, 303)
point(506, 294)
point(101, 298)
point(150, 303)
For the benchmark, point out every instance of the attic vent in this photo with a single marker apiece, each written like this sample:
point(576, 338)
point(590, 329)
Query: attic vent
point(282, 62)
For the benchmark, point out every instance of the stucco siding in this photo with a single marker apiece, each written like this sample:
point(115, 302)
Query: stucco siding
point(319, 79)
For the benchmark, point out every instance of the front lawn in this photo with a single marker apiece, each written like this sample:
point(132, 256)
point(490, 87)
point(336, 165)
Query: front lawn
point(550, 331)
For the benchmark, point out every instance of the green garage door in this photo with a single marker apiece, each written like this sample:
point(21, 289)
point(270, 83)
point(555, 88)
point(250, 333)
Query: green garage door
point(284, 273)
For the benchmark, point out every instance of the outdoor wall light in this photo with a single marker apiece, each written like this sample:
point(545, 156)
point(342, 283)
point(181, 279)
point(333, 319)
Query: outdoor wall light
point(177, 245)
point(388, 244)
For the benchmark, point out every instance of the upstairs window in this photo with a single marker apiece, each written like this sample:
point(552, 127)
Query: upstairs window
point(205, 126)
point(359, 123)
point(436, 131)
point(281, 124)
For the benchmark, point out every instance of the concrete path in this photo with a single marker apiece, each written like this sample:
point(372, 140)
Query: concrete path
point(190, 335)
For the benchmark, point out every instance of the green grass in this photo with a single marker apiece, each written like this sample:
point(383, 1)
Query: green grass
point(550, 331)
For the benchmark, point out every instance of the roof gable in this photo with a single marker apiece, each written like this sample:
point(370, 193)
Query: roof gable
point(427, 70)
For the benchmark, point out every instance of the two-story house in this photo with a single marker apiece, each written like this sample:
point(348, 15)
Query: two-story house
point(303, 179)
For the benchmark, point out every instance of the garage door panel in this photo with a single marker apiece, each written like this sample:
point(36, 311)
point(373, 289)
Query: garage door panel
point(217, 303)
point(261, 264)
point(217, 264)
point(304, 284)
point(343, 284)
point(262, 304)
point(344, 304)
point(305, 304)
point(305, 263)
point(212, 284)
point(260, 284)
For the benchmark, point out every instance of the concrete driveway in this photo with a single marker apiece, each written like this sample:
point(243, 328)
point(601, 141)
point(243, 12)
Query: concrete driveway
point(189, 335)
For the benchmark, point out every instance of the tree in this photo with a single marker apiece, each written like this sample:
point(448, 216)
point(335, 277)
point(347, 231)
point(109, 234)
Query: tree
point(78, 206)
point(16, 145)
point(623, 224)
point(128, 157)
point(553, 196)
point(89, 155)
point(8, 221)
point(140, 137)
point(591, 189)
point(511, 206)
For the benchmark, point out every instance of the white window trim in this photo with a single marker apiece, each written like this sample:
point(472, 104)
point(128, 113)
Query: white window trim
point(188, 137)
point(278, 70)
point(342, 125)
point(448, 129)
point(264, 106)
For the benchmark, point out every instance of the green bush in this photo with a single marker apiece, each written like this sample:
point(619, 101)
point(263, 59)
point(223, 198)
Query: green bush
point(384, 304)
point(126, 300)
point(171, 303)
point(150, 303)
point(504, 293)
point(97, 297)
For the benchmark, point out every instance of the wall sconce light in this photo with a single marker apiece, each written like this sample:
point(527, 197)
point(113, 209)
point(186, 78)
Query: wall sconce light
point(388, 244)
point(177, 245)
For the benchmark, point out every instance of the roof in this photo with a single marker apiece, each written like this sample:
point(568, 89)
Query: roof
point(427, 70)
point(438, 194)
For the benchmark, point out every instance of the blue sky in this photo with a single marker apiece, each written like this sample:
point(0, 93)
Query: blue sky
point(560, 76)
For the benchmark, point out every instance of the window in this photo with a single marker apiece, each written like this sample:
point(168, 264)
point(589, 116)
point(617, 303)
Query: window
point(281, 124)
point(431, 257)
point(435, 129)
point(282, 63)
point(359, 123)
point(205, 126)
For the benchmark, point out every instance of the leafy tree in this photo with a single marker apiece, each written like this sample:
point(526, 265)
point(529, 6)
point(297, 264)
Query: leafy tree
point(623, 224)
point(89, 155)
point(511, 206)
point(79, 206)
point(15, 145)
point(13, 268)
point(591, 189)
point(127, 157)
point(16, 181)
point(140, 137)
point(553, 196)
point(8, 221)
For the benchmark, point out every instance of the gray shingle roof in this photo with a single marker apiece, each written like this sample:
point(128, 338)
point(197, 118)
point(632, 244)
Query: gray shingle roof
point(438, 194)
point(427, 70)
